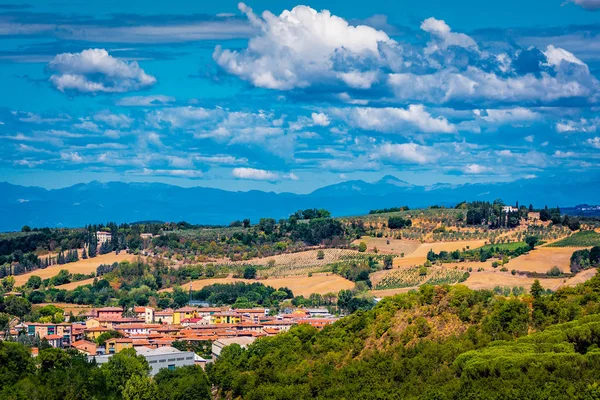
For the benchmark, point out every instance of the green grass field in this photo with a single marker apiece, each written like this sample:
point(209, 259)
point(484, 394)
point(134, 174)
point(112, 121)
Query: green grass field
point(503, 246)
point(579, 239)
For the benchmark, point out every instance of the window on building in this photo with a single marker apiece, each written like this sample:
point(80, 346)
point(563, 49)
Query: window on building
point(171, 367)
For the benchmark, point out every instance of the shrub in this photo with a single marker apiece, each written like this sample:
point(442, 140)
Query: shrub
point(554, 271)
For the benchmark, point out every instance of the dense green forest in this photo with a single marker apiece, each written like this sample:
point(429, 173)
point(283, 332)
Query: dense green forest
point(438, 343)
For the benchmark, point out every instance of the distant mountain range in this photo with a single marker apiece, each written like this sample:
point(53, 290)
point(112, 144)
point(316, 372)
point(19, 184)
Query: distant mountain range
point(97, 202)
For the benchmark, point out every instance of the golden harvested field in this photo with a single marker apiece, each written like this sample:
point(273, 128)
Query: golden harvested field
point(80, 267)
point(300, 285)
point(395, 246)
point(419, 255)
point(300, 263)
point(491, 279)
point(542, 259)
point(74, 285)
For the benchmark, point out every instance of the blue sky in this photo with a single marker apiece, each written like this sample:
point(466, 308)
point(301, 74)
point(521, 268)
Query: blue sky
point(289, 96)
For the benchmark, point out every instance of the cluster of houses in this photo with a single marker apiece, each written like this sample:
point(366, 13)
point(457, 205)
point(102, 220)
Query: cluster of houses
point(152, 332)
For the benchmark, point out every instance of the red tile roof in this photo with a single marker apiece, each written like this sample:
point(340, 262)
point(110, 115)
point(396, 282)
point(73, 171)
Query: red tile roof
point(53, 337)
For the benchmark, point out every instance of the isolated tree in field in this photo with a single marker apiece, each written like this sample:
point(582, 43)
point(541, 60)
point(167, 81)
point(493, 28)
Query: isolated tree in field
point(320, 255)
point(362, 247)
point(250, 273)
point(388, 262)
point(531, 241)
point(554, 271)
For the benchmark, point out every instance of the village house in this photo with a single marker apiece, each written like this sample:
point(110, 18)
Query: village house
point(164, 316)
point(136, 329)
point(147, 313)
point(56, 341)
point(58, 335)
point(254, 314)
point(94, 333)
point(85, 346)
point(109, 312)
point(115, 345)
point(184, 313)
point(226, 318)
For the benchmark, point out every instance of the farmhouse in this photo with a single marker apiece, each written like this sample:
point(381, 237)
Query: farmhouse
point(533, 216)
point(103, 237)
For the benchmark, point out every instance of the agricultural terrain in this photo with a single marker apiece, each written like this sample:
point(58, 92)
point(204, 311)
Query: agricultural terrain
point(300, 285)
point(86, 266)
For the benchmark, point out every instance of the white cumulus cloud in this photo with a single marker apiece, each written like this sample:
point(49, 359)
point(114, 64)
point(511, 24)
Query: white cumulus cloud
point(95, 71)
point(395, 120)
point(407, 153)
point(255, 174)
point(301, 47)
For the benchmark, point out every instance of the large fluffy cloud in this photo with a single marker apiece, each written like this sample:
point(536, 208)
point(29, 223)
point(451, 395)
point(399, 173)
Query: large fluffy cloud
point(303, 49)
point(94, 70)
point(303, 46)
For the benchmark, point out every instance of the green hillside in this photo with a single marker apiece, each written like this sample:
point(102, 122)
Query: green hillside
point(438, 343)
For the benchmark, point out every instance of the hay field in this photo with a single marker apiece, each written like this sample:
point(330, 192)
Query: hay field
point(74, 285)
point(395, 246)
point(419, 256)
point(491, 279)
point(80, 267)
point(300, 263)
point(542, 259)
point(300, 285)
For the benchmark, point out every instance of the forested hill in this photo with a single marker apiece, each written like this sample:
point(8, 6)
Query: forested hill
point(438, 343)
point(97, 202)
